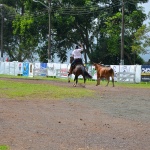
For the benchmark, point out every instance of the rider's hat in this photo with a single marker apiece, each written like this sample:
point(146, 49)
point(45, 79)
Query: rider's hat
point(77, 47)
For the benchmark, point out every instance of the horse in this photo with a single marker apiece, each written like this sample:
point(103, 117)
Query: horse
point(104, 72)
point(78, 70)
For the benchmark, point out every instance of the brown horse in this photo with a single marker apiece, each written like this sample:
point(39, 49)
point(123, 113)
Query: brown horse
point(104, 72)
point(77, 71)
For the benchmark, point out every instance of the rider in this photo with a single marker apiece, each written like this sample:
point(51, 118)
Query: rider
point(77, 57)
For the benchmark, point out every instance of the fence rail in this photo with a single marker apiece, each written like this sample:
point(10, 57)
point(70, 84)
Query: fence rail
point(126, 77)
point(123, 73)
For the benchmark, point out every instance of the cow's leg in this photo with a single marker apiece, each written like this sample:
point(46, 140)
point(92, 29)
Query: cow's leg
point(98, 81)
point(113, 81)
point(108, 79)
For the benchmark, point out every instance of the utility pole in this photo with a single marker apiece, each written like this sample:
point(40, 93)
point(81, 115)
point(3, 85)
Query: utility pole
point(122, 36)
point(49, 33)
point(2, 26)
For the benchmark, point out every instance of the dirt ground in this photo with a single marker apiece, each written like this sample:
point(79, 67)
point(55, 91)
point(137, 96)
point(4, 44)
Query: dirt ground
point(115, 119)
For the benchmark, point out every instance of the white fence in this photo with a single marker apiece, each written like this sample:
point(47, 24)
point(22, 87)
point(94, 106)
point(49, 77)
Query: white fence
point(127, 73)
point(123, 73)
point(126, 77)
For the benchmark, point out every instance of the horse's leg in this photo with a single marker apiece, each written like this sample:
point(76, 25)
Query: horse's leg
point(84, 81)
point(68, 77)
point(75, 80)
point(70, 72)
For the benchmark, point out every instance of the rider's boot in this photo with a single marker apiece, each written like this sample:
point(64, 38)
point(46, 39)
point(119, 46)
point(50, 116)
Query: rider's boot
point(85, 67)
point(70, 70)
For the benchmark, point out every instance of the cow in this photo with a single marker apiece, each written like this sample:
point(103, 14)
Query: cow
point(104, 72)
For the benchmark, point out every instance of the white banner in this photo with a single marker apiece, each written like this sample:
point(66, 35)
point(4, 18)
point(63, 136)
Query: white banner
point(129, 73)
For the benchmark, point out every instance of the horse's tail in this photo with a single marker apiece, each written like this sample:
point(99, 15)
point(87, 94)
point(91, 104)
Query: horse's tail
point(85, 73)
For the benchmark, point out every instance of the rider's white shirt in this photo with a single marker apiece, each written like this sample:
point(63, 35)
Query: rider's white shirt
point(77, 53)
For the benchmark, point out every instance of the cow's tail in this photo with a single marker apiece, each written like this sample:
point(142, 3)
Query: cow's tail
point(112, 72)
point(85, 73)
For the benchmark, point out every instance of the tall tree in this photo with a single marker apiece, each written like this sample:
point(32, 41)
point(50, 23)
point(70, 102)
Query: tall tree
point(19, 31)
point(96, 23)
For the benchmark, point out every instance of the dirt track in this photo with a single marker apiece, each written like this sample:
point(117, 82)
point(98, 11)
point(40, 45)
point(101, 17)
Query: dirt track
point(115, 119)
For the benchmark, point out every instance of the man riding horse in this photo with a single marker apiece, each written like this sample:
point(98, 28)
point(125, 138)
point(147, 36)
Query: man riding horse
point(77, 67)
point(77, 58)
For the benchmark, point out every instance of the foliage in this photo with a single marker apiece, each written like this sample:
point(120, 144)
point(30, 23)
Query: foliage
point(24, 31)
point(74, 22)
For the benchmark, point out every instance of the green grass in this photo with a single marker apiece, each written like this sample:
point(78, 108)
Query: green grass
point(135, 85)
point(21, 91)
point(4, 147)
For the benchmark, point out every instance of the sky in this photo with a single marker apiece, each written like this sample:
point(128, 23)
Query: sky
point(146, 6)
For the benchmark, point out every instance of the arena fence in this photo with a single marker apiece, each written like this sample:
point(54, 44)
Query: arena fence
point(123, 73)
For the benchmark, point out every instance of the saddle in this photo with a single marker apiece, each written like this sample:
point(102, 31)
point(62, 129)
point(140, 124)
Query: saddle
point(77, 63)
point(73, 66)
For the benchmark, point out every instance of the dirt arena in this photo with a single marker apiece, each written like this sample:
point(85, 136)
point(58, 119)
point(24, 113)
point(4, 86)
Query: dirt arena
point(114, 119)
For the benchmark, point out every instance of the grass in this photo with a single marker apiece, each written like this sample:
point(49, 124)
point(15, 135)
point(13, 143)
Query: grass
point(4, 147)
point(21, 91)
point(135, 85)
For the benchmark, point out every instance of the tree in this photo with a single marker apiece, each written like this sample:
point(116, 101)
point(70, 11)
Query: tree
point(19, 33)
point(96, 23)
point(100, 32)
point(8, 13)
point(113, 32)
point(25, 35)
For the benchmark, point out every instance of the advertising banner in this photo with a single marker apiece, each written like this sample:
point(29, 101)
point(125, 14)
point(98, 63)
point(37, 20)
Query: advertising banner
point(123, 73)
point(64, 70)
point(53, 69)
point(43, 67)
point(25, 69)
point(31, 66)
point(20, 68)
point(145, 74)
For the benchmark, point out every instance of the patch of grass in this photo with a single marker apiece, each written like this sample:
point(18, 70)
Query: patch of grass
point(4, 147)
point(21, 90)
point(134, 85)
point(88, 82)
point(122, 84)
